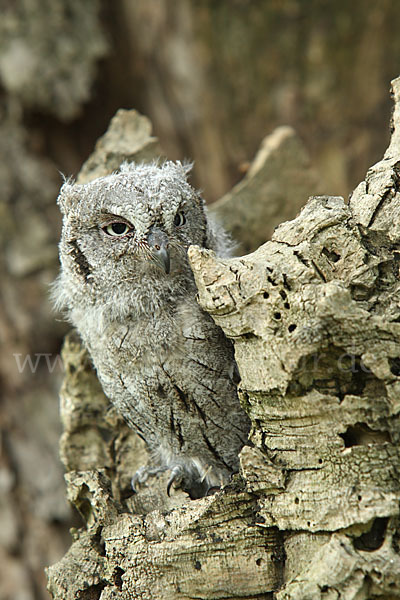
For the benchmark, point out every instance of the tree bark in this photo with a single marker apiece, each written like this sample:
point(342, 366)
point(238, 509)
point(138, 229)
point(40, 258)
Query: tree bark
point(314, 513)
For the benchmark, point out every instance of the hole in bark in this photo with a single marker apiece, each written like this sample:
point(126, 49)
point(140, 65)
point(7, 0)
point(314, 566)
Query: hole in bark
point(331, 255)
point(337, 373)
point(100, 544)
point(271, 281)
point(83, 504)
point(266, 295)
point(286, 283)
point(296, 500)
point(283, 294)
point(320, 461)
point(277, 315)
point(360, 292)
point(117, 577)
point(373, 539)
point(278, 555)
point(388, 275)
point(394, 364)
point(197, 565)
point(292, 327)
point(286, 305)
point(362, 435)
point(249, 336)
point(261, 519)
point(93, 592)
point(71, 369)
point(258, 562)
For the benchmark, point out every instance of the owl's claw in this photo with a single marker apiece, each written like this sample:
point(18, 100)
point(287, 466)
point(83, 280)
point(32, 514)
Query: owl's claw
point(176, 477)
point(139, 477)
point(213, 490)
point(142, 475)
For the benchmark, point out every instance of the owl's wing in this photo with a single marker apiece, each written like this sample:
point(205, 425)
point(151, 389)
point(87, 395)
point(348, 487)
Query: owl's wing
point(203, 369)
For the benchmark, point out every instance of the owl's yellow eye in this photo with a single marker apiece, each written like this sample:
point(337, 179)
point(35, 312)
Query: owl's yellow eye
point(117, 229)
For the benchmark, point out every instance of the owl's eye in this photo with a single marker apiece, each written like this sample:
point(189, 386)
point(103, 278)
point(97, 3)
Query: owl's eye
point(180, 219)
point(117, 229)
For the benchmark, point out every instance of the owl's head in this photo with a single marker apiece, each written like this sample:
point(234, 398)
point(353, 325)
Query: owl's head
point(128, 233)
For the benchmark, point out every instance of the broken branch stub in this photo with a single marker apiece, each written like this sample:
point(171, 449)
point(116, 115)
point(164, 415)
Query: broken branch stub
point(275, 187)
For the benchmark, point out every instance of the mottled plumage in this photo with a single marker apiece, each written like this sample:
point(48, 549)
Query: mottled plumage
point(127, 286)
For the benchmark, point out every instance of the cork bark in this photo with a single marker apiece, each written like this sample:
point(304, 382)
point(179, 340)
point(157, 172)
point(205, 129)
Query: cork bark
point(314, 513)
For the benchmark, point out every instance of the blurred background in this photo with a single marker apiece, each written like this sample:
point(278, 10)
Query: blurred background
point(214, 77)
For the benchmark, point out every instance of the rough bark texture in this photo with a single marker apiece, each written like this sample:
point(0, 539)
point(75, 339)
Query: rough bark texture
point(314, 317)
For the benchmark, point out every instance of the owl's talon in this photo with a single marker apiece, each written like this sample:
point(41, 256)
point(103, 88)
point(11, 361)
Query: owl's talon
point(213, 490)
point(139, 477)
point(176, 477)
point(142, 475)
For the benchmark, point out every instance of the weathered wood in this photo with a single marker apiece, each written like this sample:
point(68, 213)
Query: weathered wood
point(129, 138)
point(275, 188)
point(314, 317)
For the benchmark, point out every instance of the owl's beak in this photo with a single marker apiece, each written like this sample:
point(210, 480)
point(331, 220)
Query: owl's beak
point(159, 246)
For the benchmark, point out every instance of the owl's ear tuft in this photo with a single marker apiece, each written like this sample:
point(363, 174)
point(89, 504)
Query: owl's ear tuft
point(187, 166)
point(67, 197)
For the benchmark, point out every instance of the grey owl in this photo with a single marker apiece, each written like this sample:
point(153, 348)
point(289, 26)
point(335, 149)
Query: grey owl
point(127, 286)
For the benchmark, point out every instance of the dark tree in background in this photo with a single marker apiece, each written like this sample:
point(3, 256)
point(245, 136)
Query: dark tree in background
point(214, 78)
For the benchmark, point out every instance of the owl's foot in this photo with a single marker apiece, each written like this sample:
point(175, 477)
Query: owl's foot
point(176, 477)
point(194, 487)
point(142, 475)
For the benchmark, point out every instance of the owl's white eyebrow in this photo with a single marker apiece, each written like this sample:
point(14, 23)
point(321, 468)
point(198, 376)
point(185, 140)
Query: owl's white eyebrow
point(107, 217)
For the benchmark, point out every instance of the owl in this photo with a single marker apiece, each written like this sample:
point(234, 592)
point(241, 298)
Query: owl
point(126, 284)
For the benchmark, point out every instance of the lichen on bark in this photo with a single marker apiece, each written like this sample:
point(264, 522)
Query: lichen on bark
point(314, 513)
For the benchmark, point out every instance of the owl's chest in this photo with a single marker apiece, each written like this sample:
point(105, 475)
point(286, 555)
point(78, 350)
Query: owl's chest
point(137, 343)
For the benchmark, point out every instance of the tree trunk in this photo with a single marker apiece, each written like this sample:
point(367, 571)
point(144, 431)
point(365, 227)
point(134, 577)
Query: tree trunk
point(314, 514)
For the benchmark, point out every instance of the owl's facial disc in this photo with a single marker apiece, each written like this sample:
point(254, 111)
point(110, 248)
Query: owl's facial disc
point(159, 247)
